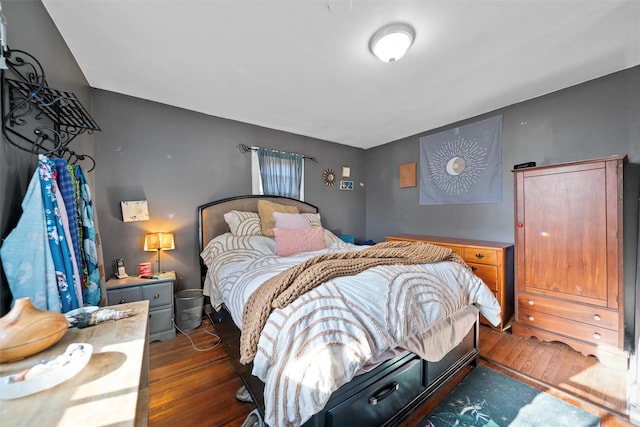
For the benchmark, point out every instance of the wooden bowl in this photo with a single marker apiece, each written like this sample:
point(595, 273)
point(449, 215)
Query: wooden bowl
point(25, 330)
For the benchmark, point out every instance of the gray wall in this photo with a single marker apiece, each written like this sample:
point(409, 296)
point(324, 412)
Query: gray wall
point(29, 28)
point(595, 119)
point(178, 159)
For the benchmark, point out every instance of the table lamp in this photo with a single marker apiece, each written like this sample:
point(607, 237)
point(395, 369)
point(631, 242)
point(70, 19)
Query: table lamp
point(159, 242)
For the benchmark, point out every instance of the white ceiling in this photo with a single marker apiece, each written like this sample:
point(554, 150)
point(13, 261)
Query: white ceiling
point(303, 66)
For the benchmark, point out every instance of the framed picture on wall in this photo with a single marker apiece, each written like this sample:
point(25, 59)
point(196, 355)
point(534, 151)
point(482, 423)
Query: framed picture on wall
point(346, 172)
point(346, 185)
point(136, 210)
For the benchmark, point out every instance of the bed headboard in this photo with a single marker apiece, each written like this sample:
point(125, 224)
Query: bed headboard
point(211, 221)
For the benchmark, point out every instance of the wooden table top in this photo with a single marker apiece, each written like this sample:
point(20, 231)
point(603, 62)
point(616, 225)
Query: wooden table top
point(105, 392)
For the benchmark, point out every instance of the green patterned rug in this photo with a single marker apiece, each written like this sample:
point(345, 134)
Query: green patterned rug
point(486, 398)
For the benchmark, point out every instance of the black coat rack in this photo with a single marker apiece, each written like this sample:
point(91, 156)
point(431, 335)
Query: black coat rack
point(37, 118)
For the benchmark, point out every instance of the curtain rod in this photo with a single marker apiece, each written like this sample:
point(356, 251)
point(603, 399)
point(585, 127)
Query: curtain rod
point(245, 149)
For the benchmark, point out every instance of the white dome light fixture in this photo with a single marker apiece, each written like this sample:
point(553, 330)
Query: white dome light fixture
point(391, 42)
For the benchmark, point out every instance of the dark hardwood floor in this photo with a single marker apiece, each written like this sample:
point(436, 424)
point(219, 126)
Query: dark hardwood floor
point(188, 387)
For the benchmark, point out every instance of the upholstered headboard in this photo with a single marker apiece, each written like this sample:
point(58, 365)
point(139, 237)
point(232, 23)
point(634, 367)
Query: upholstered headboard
point(211, 221)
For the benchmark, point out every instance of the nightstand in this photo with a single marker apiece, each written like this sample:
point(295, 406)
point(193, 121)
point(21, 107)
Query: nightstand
point(159, 293)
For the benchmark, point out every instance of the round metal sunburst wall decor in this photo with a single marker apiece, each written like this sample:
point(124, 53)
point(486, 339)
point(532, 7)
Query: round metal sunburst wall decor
point(329, 177)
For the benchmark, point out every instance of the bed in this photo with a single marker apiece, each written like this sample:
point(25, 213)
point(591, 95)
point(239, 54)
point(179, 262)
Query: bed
point(371, 345)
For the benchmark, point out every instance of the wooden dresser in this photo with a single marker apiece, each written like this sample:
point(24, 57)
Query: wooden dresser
point(568, 258)
point(112, 390)
point(490, 261)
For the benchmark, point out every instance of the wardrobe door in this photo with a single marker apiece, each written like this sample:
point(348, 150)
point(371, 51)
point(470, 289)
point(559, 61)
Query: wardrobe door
point(562, 229)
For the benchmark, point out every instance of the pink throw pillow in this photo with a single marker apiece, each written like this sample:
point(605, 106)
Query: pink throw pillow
point(297, 240)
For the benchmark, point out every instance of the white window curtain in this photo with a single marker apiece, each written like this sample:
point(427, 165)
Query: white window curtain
point(276, 173)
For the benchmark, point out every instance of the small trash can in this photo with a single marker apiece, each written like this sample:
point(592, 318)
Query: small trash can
point(189, 309)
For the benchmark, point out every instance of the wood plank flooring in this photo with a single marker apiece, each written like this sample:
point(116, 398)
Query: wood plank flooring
point(188, 387)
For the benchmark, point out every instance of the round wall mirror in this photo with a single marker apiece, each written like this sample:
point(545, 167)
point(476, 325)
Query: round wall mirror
point(329, 177)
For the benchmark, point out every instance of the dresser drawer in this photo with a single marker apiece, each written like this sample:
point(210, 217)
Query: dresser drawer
point(480, 255)
point(592, 315)
point(123, 295)
point(582, 331)
point(158, 294)
point(488, 274)
point(457, 249)
point(379, 402)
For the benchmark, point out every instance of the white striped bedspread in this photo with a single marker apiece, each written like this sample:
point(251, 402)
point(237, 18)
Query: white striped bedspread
point(328, 335)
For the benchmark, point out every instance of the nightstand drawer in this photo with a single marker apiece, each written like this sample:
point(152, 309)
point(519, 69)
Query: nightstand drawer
point(160, 320)
point(158, 294)
point(480, 255)
point(124, 295)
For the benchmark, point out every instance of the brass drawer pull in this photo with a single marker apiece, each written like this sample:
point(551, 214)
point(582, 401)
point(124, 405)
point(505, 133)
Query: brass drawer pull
point(479, 256)
point(596, 335)
point(383, 393)
point(156, 296)
point(531, 318)
point(473, 268)
point(122, 301)
point(597, 317)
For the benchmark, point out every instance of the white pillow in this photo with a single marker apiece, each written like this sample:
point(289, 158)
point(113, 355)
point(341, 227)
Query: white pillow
point(314, 219)
point(243, 223)
point(289, 221)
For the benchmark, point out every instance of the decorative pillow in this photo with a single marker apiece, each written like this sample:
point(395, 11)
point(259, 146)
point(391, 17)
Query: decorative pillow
point(314, 219)
point(243, 223)
point(295, 241)
point(289, 221)
point(331, 238)
point(266, 210)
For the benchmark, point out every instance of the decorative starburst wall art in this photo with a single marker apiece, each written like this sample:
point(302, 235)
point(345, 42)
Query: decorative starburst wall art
point(462, 165)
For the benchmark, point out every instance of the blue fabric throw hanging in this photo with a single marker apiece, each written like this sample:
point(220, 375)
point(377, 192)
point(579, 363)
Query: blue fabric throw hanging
point(60, 248)
point(65, 186)
point(281, 173)
point(91, 291)
point(26, 255)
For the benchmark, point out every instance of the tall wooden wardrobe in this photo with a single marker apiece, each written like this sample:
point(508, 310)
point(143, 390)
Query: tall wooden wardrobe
point(568, 256)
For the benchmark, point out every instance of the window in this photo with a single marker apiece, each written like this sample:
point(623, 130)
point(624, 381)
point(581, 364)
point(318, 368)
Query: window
point(275, 173)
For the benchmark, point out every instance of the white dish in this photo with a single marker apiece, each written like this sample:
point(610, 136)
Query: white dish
point(47, 374)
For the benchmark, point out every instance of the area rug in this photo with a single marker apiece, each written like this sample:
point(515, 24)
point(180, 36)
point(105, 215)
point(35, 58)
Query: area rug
point(490, 399)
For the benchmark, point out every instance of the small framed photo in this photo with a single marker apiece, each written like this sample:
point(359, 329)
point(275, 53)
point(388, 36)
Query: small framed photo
point(137, 210)
point(408, 175)
point(346, 172)
point(346, 185)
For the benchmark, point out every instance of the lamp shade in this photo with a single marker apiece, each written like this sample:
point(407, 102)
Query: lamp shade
point(159, 241)
point(391, 42)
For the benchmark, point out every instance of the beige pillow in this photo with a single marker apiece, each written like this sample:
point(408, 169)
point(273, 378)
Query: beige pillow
point(266, 210)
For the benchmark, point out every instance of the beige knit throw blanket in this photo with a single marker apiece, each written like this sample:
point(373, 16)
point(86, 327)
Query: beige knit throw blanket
point(282, 289)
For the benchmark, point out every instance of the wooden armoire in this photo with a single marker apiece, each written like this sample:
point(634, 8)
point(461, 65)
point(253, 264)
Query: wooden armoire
point(568, 256)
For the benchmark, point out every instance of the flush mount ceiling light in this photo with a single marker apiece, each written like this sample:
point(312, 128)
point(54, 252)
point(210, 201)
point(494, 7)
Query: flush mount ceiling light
point(391, 42)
